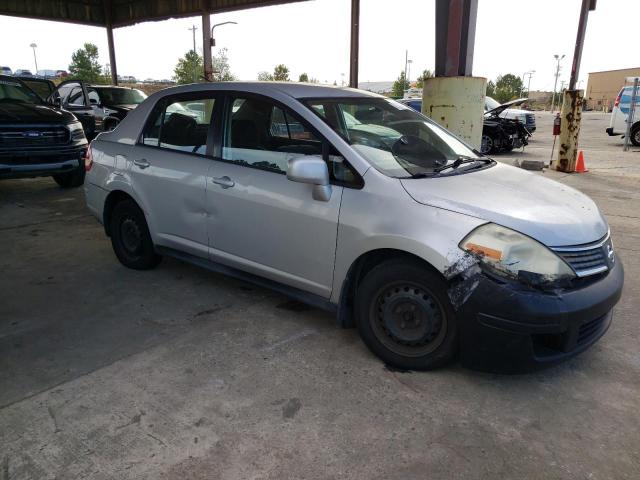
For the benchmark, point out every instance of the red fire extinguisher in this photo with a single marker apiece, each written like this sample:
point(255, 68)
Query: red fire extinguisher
point(556, 124)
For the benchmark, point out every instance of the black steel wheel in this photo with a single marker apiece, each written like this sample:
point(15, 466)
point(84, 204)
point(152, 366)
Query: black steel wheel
point(487, 144)
point(635, 135)
point(405, 317)
point(130, 237)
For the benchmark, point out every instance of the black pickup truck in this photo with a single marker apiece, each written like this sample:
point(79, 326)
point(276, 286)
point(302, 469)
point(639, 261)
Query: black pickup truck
point(37, 139)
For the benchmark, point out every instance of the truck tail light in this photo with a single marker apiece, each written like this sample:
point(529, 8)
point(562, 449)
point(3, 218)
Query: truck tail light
point(618, 98)
point(88, 159)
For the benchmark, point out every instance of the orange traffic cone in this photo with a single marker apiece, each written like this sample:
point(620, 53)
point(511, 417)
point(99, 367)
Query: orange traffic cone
point(580, 166)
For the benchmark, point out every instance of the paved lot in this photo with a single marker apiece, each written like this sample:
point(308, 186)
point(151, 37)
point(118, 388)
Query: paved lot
point(178, 373)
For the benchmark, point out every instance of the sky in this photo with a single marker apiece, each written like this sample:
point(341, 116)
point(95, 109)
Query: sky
point(512, 36)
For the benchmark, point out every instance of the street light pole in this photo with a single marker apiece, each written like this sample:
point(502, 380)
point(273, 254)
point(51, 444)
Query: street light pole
point(35, 60)
point(211, 42)
point(409, 62)
point(555, 85)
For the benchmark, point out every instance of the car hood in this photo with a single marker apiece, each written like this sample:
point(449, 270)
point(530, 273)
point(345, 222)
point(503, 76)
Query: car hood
point(552, 213)
point(501, 108)
point(121, 108)
point(515, 111)
point(30, 113)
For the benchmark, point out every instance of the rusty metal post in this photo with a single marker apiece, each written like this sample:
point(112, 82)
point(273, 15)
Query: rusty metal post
point(571, 115)
point(110, 43)
point(571, 112)
point(206, 47)
point(355, 43)
point(455, 37)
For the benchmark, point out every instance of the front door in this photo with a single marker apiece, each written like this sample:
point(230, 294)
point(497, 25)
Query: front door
point(169, 167)
point(74, 98)
point(259, 221)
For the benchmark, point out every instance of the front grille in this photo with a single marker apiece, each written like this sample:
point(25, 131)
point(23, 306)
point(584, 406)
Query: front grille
point(33, 136)
point(589, 330)
point(589, 259)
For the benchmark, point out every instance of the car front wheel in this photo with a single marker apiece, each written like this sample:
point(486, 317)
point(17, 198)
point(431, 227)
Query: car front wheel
point(486, 145)
point(130, 237)
point(635, 135)
point(405, 316)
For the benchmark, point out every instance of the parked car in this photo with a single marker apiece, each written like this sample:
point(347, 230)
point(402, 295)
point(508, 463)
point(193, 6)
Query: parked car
point(5, 71)
point(47, 74)
point(23, 72)
point(503, 134)
point(61, 74)
point(37, 139)
point(526, 117)
point(499, 133)
point(99, 107)
point(620, 114)
point(382, 217)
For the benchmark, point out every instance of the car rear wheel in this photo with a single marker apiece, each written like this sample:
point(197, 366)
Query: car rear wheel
point(130, 237)
point(635, 135)
point(487, 144)
point(405, 317)
point(71, 179)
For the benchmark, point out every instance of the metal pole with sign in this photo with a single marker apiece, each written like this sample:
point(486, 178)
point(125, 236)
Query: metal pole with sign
point(632, 111)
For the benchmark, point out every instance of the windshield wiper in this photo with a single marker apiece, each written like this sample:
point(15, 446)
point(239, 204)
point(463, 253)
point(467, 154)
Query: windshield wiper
point(459, 161)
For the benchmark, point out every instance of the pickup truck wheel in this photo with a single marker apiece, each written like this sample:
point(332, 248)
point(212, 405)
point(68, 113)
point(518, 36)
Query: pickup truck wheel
point(130, 237)
point(635, 135)
point(71, 179)
point(405, 317)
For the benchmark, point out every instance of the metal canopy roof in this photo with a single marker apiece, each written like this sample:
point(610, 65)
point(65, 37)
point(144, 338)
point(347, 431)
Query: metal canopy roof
point(121, 13)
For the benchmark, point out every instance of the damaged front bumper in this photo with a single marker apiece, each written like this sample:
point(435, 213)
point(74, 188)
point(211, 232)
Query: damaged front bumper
point(509, 328)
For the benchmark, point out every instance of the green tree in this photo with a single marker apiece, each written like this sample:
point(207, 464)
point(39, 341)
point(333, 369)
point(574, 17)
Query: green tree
point(189, 68)
point(425, 74)
point(281, 73)
point(303, 77)
point(400, 85)
point(491, 89)
point(265, 76)
point(85, 65)
point(221, 68)
point(508, 87)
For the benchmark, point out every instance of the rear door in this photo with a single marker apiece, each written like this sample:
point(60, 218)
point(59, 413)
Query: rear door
point(168, 169)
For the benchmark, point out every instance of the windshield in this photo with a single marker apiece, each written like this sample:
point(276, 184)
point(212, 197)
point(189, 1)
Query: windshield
point(12, 91)
point(121, 96)
point(394, 138)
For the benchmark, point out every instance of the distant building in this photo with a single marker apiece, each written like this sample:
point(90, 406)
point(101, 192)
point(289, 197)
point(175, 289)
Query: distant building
point(603, 87)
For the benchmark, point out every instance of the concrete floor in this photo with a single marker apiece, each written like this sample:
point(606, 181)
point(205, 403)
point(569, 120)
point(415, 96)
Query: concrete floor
point(178, 373)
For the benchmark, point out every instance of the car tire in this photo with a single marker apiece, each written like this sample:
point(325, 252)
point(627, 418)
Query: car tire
point(130, 237)
point(71, 179)
point(635, 135)
point(487, 144)
point(405, 317)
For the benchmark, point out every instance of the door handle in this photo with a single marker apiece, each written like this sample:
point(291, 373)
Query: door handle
point(224, 182)
point(142, 163)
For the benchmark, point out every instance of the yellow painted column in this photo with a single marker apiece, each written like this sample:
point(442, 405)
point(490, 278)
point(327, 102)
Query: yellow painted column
point(456, 103)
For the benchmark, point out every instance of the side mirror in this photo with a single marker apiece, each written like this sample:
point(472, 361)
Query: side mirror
point(55, 101)
point(95, 102)
point(311, 169)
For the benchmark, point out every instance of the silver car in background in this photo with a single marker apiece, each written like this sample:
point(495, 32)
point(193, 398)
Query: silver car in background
point(360, 205)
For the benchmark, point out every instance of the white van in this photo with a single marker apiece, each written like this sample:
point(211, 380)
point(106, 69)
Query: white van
point(620, 113)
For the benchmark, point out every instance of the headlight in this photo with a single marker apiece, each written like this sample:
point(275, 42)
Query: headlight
point(77, 132)
point(513, 253)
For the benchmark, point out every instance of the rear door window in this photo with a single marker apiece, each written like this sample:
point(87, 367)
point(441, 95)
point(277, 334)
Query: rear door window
point(172, 125)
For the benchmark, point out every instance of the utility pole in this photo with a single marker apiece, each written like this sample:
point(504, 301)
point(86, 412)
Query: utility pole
point(555, 85)
point(195, 57)
point(406, 62)
point(530, 73)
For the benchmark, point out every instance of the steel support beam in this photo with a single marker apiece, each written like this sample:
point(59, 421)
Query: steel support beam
point(206, 47)
point(112, 50)
point(355, 43)
point(455, 37)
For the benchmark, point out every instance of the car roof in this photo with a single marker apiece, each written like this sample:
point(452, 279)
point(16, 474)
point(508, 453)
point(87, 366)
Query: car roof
point(292, 89)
